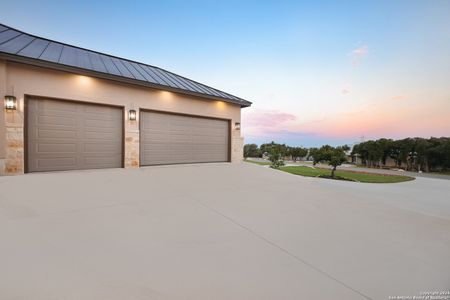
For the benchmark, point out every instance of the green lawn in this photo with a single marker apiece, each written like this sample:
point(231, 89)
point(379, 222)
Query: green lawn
point(349, 175)
point(262, 163)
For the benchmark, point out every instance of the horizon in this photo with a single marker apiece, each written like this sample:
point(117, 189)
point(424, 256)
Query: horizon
point(317, 73)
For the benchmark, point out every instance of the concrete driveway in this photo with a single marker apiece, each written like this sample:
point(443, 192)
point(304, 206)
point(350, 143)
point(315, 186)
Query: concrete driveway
point(220, 231)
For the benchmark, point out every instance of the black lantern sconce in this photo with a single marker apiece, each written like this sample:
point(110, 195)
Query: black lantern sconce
point(132, 115)
point(237, 126)
point(10, 102)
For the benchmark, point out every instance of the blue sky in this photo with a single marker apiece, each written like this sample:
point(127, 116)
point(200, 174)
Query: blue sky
point(317, 72)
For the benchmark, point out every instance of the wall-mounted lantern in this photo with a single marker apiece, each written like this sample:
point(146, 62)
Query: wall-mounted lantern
point(10, 102)
point(132, 115)
point(237, 126)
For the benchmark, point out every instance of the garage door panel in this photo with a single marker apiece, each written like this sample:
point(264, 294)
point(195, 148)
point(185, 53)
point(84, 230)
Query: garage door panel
point(56, 163)
point(171, 139)
point(56, 148)
point(57, 121)
point(101, 148)
point(104, 136)
point(104, 123)
point(99, 162)
point(56, 133)
point(66, 135)
point(59, 107)
point(100, 118)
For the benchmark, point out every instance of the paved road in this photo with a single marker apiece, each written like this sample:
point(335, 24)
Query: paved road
point(220, 231)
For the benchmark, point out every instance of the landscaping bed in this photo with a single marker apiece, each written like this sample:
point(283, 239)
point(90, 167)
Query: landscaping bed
point(346, 175)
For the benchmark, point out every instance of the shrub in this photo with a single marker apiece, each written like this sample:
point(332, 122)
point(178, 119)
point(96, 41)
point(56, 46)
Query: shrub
point(276, 159)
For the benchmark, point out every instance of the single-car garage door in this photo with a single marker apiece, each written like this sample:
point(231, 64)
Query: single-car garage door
point(65, 135)
point(174, 139)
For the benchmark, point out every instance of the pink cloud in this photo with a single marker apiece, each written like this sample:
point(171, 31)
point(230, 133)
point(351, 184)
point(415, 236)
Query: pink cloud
point(399, 97)
point(260, 122)
point(359, 53)
point(268, 118)
point(345, 91)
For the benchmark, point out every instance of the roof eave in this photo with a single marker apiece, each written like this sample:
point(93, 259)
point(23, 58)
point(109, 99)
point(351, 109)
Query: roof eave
point(81, 71)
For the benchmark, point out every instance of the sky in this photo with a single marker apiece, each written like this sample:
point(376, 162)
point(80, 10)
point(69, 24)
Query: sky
point(317, 72)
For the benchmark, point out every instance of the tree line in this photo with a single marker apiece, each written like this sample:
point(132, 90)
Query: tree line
point(418, 154)
point(296, 153)
point(412, 154)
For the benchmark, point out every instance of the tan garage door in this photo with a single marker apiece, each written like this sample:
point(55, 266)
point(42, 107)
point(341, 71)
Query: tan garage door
point(175, 139)
point(64, 135)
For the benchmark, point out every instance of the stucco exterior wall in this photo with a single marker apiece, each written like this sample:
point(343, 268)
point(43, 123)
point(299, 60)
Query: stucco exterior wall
point(22, 80)
point(2, 115)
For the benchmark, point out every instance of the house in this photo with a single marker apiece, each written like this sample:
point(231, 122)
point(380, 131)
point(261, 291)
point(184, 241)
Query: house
point(69, 108)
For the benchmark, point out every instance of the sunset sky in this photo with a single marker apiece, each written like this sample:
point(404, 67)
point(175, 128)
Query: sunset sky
point(318, 72)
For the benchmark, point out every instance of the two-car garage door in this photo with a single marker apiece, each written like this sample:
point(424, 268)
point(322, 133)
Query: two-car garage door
point(65, 135)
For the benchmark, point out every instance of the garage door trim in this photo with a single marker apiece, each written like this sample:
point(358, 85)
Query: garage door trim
point(27, 97)
point(186, 115)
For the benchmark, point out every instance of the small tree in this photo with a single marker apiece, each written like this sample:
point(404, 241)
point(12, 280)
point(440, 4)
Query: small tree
point(276, 158)
point(269, 148)
point(251, 150)
point(314, 153)
point(297, 152)
point(336, 159)
point(334, 156)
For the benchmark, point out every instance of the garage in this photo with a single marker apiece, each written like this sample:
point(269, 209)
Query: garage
point(167, 138)
point(71, 108)
point(67, 135)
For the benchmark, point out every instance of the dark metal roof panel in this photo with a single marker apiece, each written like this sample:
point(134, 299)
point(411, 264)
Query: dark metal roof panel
point(167, 79)
point(205, 89)
point(75, 57)
point(83, 59)
point(52, 52)
point(20, 44)
point(208, 89)
point(34, 49)
point(122, 69)
point(16, 44)
point(97, 63)
point(110, 66)
point(185, 83)
point(144, 73)
point(151, 71)
point(136, 74)
point(8, 35)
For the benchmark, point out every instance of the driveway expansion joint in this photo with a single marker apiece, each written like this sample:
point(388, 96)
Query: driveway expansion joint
point(285, 251)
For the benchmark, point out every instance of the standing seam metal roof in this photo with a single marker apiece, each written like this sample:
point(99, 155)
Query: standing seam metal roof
point(22, 45)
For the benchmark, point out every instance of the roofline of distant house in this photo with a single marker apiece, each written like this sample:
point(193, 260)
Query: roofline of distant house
point(88, 72)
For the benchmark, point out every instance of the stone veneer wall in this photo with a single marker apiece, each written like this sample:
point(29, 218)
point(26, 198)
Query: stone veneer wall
point(237, 146)
point(11, 133)
point(14, 145)
point(131, 141)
